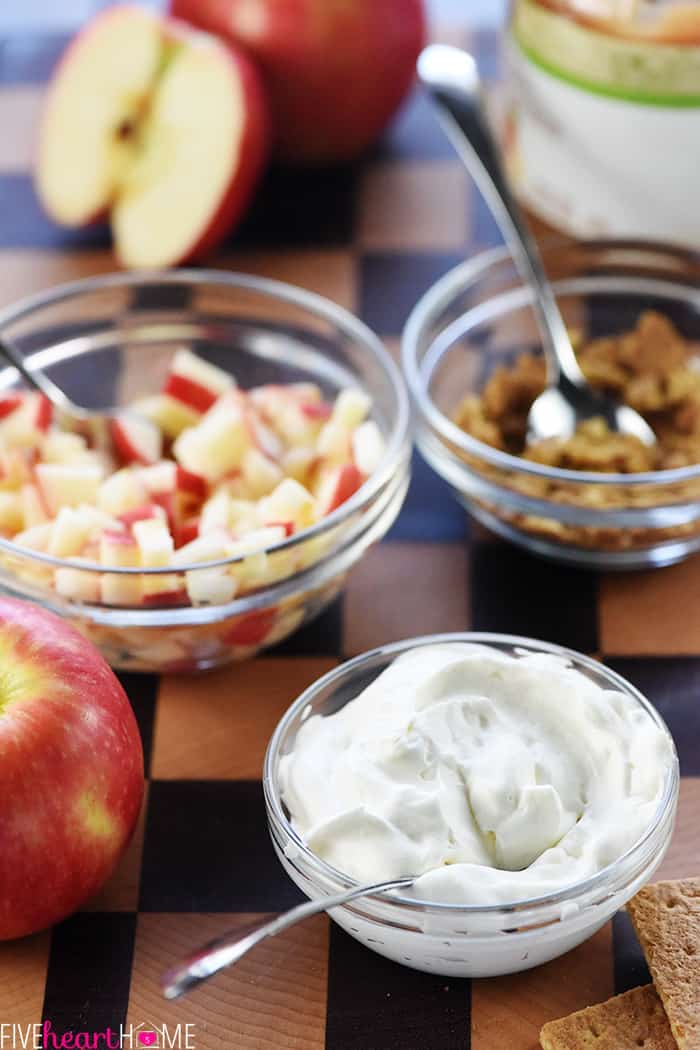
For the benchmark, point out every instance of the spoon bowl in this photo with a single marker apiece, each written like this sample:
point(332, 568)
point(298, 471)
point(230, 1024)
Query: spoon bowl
point(451, 77)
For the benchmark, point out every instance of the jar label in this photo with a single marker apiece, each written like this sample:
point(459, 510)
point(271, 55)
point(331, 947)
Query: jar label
point(658, 74)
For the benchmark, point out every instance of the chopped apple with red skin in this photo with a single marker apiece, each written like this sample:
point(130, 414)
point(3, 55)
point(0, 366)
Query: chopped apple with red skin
point(336, 485)
point(119, 550)
point(143, 513)
point(135, 440)
point(189, 530)
point(336, 70)
point(37, 537)
point(260, 474)
point(214, 546)
point(74, 527)
point(251, 629)
point(24, 423)
point(195, 383)
point(9, 404)
point(170, 109)
point(60, 446)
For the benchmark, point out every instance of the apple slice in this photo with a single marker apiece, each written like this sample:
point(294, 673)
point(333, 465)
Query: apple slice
point(210, 586)
point(119, 549)
point(194, 382)
point(11, 513)
point(141, 111)
point(77, 585)
point(336, 485)
point(289, 503)
point(135, 440)
point(122, 492)
point(121, 590)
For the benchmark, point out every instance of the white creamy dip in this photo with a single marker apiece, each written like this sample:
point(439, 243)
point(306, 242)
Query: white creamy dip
point(495, 778)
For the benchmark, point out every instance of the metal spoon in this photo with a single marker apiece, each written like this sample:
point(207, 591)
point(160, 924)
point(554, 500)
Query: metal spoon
point(451, 76)
point(93, 425)
point(232, 946)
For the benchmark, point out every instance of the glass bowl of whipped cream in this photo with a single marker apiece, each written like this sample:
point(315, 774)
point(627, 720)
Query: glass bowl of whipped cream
point(530, 790)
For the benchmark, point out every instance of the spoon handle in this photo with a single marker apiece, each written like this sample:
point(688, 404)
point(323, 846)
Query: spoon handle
point(232, 946)
point(451, 77)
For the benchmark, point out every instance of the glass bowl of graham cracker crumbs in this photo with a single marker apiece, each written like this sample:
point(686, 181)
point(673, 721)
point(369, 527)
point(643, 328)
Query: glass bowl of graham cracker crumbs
point(473, 361)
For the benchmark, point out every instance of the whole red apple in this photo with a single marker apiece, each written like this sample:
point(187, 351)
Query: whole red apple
point(71, 769)
point(336, 70)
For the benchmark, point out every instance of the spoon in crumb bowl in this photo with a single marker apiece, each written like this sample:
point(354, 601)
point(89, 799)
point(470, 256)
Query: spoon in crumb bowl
point(452, 79)
point(116, 429)
point(232, 946)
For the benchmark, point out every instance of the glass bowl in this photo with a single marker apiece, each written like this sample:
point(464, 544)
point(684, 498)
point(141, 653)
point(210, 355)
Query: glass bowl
point(450, 939)
point(479, 316)
point(107, 340)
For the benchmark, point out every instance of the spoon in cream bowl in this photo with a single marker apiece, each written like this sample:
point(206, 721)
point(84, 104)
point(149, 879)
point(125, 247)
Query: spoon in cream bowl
point(452, 79)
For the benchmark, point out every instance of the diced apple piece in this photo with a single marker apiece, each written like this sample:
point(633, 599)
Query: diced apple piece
point(159, 477)
point(121, 590)
point(142, 513)
point(253, 549)
point(168, 413)
point(336, 485)
point(24, 424)
point(188, 531)
point(282, 410)
point(35, 538)
point(215, 513)
point(155, 543)
point(367, 447)
point(71, 531)
point(121, 492)
point(210, 586)
point(290, 502)
point(16, 468)
point(60, 446)
point(211, 547)
point(191, 485)
point(195, 382)
point(351, 407)
point(33, 506)
point(334, 443)
point(243, 516)
point(66, 485)
point(11, 513)
point(298, 462)
point(260, 474)
point(136, 440)
point(251, 629)
point(119, 550)
point(217, 444)
point(77, 585)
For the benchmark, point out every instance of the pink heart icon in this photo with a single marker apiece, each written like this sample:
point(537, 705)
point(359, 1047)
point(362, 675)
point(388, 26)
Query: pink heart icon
point(147, 1038)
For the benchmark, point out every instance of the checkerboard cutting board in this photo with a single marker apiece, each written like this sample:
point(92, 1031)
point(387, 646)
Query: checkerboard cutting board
point(372, 238)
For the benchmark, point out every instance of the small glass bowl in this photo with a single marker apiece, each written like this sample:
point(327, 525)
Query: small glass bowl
point(450, 939)
point(108, 340)
point(479, 316)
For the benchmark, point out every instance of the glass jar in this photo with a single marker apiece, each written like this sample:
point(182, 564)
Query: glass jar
point(603, 129)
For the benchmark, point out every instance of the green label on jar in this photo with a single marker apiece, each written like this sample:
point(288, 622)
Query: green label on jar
point(639, 71)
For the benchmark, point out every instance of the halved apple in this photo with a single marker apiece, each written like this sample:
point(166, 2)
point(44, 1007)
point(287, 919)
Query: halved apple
point(165, 127)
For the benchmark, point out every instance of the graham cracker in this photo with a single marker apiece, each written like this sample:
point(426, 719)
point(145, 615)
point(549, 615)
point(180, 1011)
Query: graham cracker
point(627, 1022)
point(666, 918)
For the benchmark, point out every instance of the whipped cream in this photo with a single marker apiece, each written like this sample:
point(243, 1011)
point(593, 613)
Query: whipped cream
point(492, 777)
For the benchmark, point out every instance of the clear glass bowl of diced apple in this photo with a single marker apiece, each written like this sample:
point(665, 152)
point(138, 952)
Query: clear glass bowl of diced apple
point(264, 447)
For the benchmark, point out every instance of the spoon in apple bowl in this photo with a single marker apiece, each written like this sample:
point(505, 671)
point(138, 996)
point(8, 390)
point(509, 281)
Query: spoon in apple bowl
point(451, 77)
point(119, 430)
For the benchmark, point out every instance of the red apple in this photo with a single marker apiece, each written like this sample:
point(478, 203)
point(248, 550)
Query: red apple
point(165, 128)
point(336, 70)
point(136, 440)
point(337, 485)
point(71, 769)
